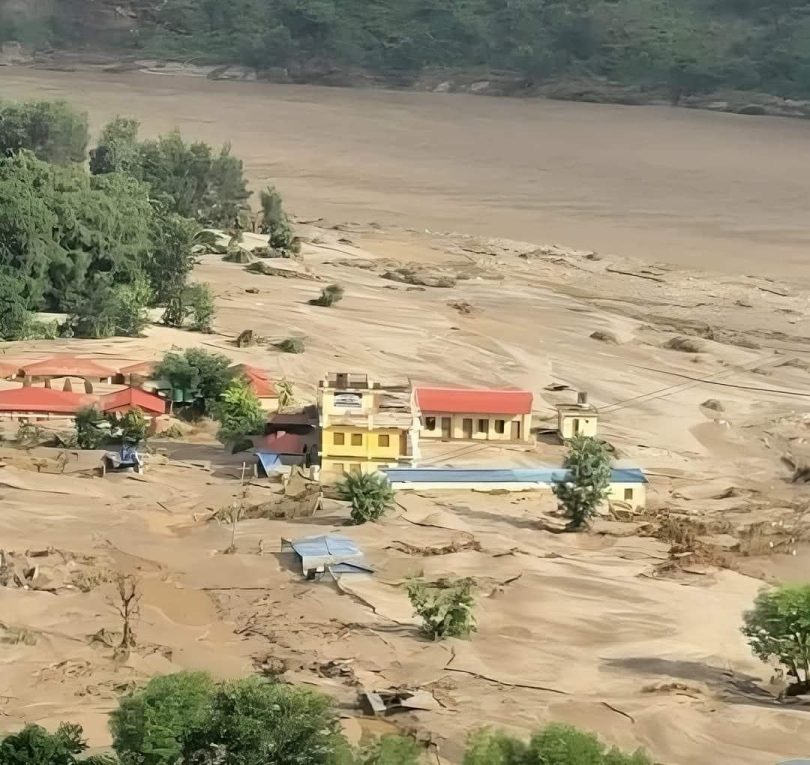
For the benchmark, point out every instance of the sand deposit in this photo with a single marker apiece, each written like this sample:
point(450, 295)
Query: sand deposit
point(632, 629)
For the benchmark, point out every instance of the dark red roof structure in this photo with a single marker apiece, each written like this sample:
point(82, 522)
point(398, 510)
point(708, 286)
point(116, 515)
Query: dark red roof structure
point(43, 400)
point(9, 368)
point(473, 401)
point(66, 366)
point(282, 443)
point(132, 398)
point(142, 368)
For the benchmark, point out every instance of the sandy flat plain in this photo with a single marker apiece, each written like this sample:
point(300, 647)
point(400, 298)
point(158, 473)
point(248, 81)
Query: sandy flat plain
point(605, 629)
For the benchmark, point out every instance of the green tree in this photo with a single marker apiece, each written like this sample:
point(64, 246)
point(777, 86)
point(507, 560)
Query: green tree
point(445, 606)
point(256, 722)
point(390, 750)
point(239, 413)
point(90, 431)
point(370, 494)
point(150, 725)
point(330, 295)
point(200, 301)
point(33, 745)
point(14, 313)
point(171, 258)
point(587, 483)
point(52, 130)
point(778, 627)
point(274, 221)
point(205, 373)
point(112, 310)
point(557, 744)
point(117, 150)
point(194, 181)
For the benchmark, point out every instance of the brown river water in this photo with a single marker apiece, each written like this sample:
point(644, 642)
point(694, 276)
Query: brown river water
point(699, 189)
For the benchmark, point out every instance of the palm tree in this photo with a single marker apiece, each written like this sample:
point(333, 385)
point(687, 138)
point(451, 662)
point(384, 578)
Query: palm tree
point(370, 494)
point(285, 392)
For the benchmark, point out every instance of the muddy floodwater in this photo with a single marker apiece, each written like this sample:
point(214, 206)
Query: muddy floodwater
point(702, 189)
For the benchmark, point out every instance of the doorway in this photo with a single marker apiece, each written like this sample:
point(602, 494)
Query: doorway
point(516, 430)
point(446, 427)
point(575, 426)
point(466, 427)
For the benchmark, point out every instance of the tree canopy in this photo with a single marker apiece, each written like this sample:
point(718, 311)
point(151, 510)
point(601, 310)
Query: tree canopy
point(588, 484)
point(681, 47)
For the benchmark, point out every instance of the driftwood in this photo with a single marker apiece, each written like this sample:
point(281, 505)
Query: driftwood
point(633, 273)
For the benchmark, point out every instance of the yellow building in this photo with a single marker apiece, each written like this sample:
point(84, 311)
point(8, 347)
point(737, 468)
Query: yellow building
point(580, 419)
point(364, 426)
point(462, 414)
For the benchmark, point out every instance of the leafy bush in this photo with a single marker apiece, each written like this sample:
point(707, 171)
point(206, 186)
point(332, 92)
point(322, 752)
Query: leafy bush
point(33, 745)
point(112, 310)
point(445, 606)
point(239, 413)
point(371, 495)
point(588, 485)
point(90, 428)
point(555, 744)
point(200, 301)
point(256, 722)
point(778, 627)
point(329, 296)
point(390, 750)
point(150, 724)
point(291, 345)
point(275, 223)
point(131, 426)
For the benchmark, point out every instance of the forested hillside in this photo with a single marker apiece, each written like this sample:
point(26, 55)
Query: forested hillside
point(689, 46)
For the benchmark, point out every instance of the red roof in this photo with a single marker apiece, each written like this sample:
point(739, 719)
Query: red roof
point(9, 368)
point(478, 401)
point(130, 398)
point(258, 381)
point(142, 368)
point(281, 443)
point(45, 400)
point(66, 366)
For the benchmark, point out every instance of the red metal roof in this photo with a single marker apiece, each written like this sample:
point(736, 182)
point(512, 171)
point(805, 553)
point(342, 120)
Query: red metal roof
point(9, 368)
point(44, 400)
point(130, 398)
point(143, 368)
point(473, 401)
point(281, 443)
point(257, 380)
point(66, 366)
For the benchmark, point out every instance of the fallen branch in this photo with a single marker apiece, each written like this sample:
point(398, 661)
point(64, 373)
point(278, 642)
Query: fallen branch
point(638, 276)
point(506, 684)
point(618, 711)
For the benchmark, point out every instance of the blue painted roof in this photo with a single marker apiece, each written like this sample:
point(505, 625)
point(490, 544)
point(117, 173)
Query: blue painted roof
point(488, 475)
point(326, 544)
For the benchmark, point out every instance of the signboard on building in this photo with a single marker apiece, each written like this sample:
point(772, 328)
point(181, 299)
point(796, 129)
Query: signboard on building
point(348, 401)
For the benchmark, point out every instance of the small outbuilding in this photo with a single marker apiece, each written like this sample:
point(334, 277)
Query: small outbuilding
point(580, 419)
point(329, 553)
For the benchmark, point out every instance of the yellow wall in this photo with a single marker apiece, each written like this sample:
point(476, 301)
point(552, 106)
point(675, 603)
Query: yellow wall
point(334, 468)
point(488, 434)
point(368, 449)
point(587, 424)
point(638, 500)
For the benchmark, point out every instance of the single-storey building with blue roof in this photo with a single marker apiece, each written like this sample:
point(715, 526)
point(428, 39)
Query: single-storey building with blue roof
point(628, 485)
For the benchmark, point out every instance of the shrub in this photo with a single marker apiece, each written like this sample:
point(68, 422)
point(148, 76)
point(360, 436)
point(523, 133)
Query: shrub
point(90, 428)
point(555, 744)
point(778, 627)
point(132, 426)
point(329, 296)
point(371, 495)
point(390, 750)
point(275, 223)
point(291, 345)
point(588, 484)
point(151, 724)
point(239, 413)
point(445, 606)
point(200, 301)
point(52, 130)
point(33, 745)
point(204, 373)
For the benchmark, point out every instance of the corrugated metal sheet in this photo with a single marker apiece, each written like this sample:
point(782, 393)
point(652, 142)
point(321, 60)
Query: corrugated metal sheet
point(332, 551)
point(494, 475)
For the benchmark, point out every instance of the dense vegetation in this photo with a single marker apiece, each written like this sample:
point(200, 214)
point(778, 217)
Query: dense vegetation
point(188, 719)
point(103, 246)
point(686, 46)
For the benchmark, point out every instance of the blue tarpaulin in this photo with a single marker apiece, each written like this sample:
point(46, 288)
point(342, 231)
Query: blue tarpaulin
point(269, 463)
